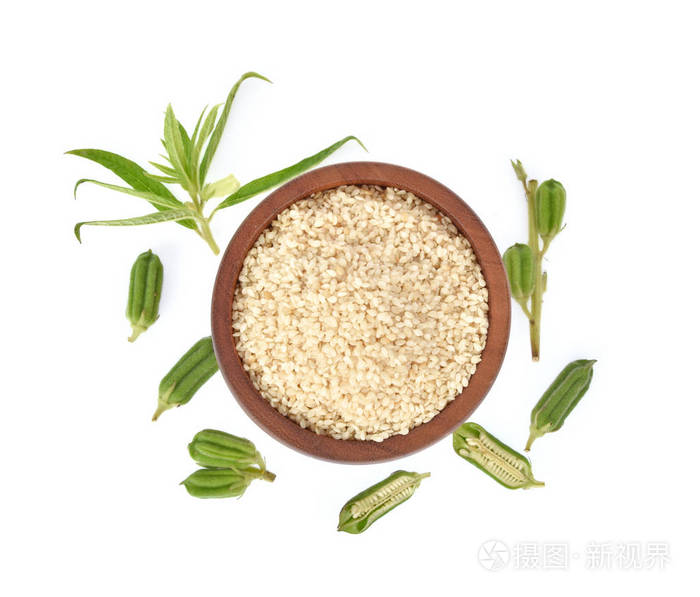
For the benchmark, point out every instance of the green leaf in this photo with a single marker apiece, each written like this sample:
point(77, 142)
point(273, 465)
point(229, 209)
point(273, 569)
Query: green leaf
point(199, 121)
point(188, 149)
point(225, 186)
point(207, 128)
point(164, 169)
point(185, 137)
point(154, 200)
point(264, 183)
point(519, 171)
point(172, 215)
point(165, 179)
point(219, 130)
point(183, 134)
point(196, 148)
point(174, 144)
point(132, 174)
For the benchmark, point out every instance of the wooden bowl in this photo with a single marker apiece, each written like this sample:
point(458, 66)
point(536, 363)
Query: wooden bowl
point(326, 447)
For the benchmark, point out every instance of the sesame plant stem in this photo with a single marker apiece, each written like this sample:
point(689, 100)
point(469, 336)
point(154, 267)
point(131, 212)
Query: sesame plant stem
point(532, 239)
point(536, 317)
point(136, 332)
point(256, 473)
point(546, 203)
point(535, 313)
point(207, 235)
point(268, 476)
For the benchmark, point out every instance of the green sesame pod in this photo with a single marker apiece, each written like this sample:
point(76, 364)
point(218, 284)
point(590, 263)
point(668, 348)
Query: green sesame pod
point(510, 468)
point(187, 375)
point(217, 449)
point(145, 286)
point(520, 266)
point(560, 398)
point(217, 483)
point(550, 204)
point(358, 513)
point(223, 482)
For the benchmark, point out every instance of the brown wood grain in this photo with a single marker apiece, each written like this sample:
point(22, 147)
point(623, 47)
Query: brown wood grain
point(325, 447)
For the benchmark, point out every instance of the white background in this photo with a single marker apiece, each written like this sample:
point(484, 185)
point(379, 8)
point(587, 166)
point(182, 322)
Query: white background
point(601, 95)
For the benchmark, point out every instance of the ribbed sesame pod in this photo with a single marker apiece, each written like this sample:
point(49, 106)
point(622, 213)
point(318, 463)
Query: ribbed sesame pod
point(196, 366)
point(520, 266)
point(145, 286)
point(217, 449)
point(510, 468)
point(560, 398)
point(223, 482)
point(358, 513)
point(217, 483)
point(550, 204)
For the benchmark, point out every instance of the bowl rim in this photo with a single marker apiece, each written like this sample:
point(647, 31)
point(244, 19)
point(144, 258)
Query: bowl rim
point(455, 412)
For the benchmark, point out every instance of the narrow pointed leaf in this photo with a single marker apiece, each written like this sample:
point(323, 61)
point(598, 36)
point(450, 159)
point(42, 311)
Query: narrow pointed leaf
point(164, 169)
point(196, 148)
point(264, 183)
point(199, 122)
point(219, 130)
point(187, 145)
point(183, 134)
point(207, 128)
point(154, 200)
point(174, 145)
point(168, 140)
point(165, 179)
point(172, 215)
point(132, 174)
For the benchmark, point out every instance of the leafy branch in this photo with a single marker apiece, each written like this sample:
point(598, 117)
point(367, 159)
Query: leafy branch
point(186, 163)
